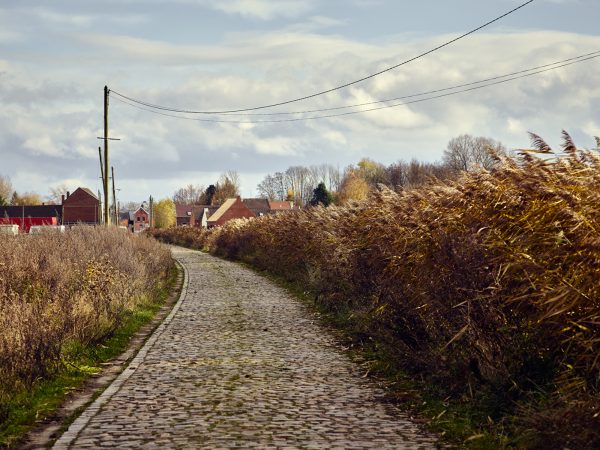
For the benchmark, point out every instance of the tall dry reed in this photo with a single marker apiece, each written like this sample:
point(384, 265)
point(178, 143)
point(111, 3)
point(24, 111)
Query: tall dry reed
point(488, 286)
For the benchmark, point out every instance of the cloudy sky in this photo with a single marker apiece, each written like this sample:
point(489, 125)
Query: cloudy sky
point(56, 56)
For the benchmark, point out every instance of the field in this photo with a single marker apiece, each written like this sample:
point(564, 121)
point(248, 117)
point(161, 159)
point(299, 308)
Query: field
point(63, 293)
point(484, 290)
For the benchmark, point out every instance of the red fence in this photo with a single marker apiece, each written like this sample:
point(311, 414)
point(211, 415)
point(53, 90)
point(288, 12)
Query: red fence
point(26, 223)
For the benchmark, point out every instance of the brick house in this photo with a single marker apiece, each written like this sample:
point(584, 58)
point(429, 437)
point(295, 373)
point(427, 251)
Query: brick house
point(141, 220)
point(259, 206)
point(185, 215)
point(233, 208)
point(263, 206)
point(276, 206)
point(126, 219)
point(202, 213)
point(82, 206)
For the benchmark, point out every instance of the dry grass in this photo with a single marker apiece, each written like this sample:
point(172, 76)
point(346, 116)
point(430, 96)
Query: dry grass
point(62, 288)
point(488, 287)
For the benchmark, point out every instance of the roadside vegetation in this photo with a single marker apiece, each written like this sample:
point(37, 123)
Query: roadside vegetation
point(483, 289)
point(69, 301)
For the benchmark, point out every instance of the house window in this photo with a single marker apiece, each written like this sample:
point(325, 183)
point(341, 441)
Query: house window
point(139, 218)
point(143, 218)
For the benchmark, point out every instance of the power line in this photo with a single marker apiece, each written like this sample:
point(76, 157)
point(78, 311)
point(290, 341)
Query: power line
point(473, 87)
point(374, 102)
point(445, 44)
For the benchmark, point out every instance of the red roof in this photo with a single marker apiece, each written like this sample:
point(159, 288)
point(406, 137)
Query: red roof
point(183, 210)
point(280, 205)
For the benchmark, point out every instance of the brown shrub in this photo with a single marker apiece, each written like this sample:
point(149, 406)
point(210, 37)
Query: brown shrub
point(184, 236)
point(56, 288)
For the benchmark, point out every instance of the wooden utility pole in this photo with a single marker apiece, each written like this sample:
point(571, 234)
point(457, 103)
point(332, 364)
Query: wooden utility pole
point(151, 212)
point(112, 169)
point(100, 206)
point(101, 164)
point(106, 214)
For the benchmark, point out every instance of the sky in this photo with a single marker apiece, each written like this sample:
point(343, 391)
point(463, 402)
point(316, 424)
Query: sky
point(211, 55)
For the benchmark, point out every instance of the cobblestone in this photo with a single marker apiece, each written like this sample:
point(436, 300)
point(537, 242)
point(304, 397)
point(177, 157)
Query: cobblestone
point(241, 364)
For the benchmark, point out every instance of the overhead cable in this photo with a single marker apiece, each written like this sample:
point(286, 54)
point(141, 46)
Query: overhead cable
point(473, 87)
point(404, 97)
point(342, 86)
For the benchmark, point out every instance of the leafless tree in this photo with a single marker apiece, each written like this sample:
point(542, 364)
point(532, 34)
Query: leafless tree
point(55, 193)
point(6, 190)
point(188, 195)
point(301, 181)
point(297, 179)
point(467, 153)
point(334, 176)
point(228, 186)
point(267, 188)
point(130, 206)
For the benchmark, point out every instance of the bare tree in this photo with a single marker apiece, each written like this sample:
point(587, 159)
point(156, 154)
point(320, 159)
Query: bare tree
point(300, 182)
point(188, 195)
point(268, 188)
point(281, 186)
point(131, 206)
point(55, 193)
point(467, 153)
point(233, 177)
point(6, 190)
point(398, 174)
point(228, 186)
point(334, 176)
point(297, 178)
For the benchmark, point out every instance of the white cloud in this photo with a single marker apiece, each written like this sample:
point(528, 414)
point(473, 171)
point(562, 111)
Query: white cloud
point(48, 15)
point(52, 103)
point(278, 146)
point(592, 129)
point(262, 9)
point(10, 36)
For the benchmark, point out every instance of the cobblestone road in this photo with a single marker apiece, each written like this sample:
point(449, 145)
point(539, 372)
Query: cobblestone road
point(240, 364)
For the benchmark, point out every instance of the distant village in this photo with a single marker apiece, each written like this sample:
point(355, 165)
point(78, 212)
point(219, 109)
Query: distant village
point(197, 206)
point(83, 207)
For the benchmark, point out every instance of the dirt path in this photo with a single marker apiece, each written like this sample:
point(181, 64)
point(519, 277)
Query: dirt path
point(240, 364)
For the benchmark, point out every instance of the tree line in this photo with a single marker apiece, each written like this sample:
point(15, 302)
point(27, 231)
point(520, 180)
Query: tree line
point(316, 184)
point(227, 186)
point(328, 184)
point(10, 197)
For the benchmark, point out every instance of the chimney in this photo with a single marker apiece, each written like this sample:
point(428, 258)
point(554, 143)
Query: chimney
point(62, 199)
point(68, 193)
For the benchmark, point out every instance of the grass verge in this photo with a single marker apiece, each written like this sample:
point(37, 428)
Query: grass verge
point(79, 362)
